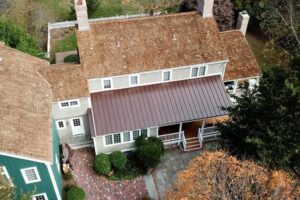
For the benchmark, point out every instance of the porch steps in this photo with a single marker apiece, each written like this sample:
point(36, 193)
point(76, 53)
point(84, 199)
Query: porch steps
point(192, 144)
point(81, 145)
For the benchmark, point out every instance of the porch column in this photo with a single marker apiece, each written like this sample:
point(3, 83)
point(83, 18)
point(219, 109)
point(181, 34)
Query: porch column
point(203, 124)
point(235, 86)
point(180, 129)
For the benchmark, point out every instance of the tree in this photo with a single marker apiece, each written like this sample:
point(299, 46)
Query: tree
point(223, 12)
point(264, 124)
point(216, 175)
point(16, 37)
point(6, 191)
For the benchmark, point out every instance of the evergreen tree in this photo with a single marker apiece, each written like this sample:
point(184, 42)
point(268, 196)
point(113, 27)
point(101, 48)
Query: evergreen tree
point(265, 122)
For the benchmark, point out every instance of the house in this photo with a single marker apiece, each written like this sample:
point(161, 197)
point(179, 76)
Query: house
point(29, 142)
point(165, 76)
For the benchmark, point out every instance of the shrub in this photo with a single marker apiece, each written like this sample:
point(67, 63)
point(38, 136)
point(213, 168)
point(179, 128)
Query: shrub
point(118, 160)
point(75, 193)
point(71, 58)
point(149, 150)
point(102, 164)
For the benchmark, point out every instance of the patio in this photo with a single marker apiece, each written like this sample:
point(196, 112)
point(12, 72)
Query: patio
point(98, 187)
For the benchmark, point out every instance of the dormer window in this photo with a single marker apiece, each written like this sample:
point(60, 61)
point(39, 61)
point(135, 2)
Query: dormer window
point(107, 83)
point(166, 76)
point(198, 71)
point(134, 80)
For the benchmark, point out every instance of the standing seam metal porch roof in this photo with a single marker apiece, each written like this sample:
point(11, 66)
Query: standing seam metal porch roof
point(158, 105)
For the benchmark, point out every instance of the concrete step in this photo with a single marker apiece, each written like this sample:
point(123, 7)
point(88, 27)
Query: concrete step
point(81, 145)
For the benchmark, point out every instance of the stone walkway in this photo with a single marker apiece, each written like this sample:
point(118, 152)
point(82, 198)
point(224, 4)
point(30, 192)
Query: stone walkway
point(173, 161)
point(60, 56)
point(98, 187)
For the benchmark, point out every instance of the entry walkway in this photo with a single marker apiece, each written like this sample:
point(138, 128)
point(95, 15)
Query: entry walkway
point(173, 161)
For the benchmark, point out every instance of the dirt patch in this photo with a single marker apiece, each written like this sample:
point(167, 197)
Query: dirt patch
point(4, 5)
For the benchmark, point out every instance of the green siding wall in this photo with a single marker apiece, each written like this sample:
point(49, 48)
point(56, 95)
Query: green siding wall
point(14, 166)
point(56, 152)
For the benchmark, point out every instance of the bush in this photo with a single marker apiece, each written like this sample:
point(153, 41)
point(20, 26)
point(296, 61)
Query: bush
point(71, 58)
point(149, 151)
point(102, 164)
point(75, 193)
point(118, 160)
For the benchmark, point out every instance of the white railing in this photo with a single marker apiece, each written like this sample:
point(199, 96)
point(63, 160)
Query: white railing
point(210, 132)
point(171, 138)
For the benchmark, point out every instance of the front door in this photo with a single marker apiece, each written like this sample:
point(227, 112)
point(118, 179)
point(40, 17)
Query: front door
point(77, 126)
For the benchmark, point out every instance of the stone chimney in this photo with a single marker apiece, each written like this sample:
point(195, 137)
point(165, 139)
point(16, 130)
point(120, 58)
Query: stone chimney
point(81, 15)
point(205, 7)
point(242, 23)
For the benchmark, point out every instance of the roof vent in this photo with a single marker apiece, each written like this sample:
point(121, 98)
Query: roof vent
point(118, 44)
point(174, 37)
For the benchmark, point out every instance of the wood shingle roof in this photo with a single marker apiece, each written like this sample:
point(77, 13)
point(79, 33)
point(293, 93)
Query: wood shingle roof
point(25, 106)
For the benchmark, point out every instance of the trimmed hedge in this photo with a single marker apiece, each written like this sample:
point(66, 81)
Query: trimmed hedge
point(75, 193)
point(102, 164)
point(71, 58)
point(118, 160)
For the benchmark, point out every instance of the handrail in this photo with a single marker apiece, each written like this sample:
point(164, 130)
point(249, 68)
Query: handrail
point(200, 137)
point(183, 141)
point(170, 137)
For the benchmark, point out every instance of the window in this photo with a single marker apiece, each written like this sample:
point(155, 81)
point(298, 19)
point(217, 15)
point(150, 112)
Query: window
point(42, 196)
point(108, 139)
point(117, 138)
point(67, 104)
point(107, 83)
point(135, 134)
point(57, 163)
point(134, 80)
point(60, 124)
point(166, 75)
point(31, 175)
point(76, 122)
point(198, 71)
point(5, 175)
point(126, 137)
point(144, 132)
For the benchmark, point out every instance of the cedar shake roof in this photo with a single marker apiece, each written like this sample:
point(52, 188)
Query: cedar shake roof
point(68, 81)
point(158, 105)
point(242, 62)
point(150, 43)
point(25, 106)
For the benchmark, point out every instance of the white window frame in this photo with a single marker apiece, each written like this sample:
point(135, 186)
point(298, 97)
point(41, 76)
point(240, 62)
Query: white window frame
point(138, 80)
point(57, 124)
point(162, 78)
point(44, 194)
point(199, 66)
point(69, 102)
point(111, 83)
point(122, 138)
point(25, 176)
point(5, 172)
point(57, 161)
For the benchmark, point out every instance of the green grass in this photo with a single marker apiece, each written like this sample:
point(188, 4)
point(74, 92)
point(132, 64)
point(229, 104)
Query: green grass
point(108, 8)
point(68, 43)
point(61, 9)
point(257, 45)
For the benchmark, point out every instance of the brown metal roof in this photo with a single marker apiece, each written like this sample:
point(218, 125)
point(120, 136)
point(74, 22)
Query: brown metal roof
point(157, 105)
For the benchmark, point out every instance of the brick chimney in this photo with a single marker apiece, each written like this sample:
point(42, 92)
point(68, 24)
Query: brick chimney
point(81, 15)
point(242, 23)
point(205, 7)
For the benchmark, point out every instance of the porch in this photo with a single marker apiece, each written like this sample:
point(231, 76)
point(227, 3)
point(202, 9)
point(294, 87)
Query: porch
point(191, 135)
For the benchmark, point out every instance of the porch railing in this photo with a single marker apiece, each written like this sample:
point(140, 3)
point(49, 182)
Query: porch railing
point(210, 132)
point(171, 138)
point(200, 136)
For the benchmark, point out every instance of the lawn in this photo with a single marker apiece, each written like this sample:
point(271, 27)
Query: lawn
point(257, 44)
